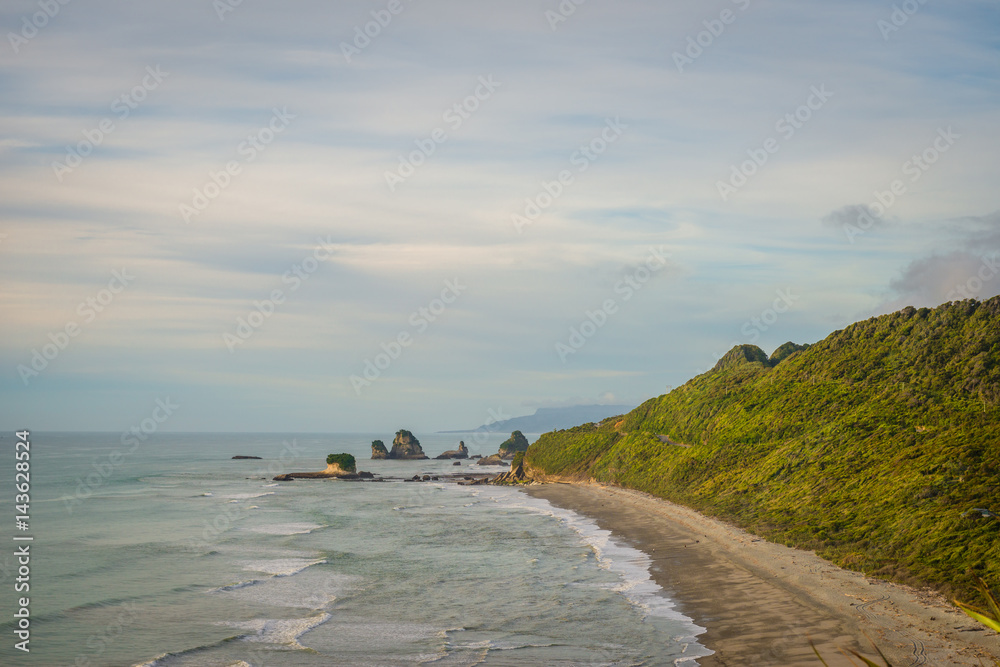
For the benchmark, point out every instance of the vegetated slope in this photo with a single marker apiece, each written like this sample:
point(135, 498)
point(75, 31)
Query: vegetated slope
point(871, 446)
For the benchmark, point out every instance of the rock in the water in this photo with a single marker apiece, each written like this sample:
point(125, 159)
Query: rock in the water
point(406, 446)
point(257, 458)
point(514, 444)
point(365, 475)
point(493, 460)
point(335, 469)
point(378, 450)
point(461, 453)
point(457, 463)
point(477, 456)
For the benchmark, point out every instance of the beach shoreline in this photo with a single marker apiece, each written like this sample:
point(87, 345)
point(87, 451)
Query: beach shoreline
point(763, 602)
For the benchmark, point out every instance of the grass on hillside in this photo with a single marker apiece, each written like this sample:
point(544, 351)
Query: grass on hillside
point(878, 447)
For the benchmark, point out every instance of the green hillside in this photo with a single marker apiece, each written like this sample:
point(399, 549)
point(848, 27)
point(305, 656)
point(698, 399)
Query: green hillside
point(871, 446)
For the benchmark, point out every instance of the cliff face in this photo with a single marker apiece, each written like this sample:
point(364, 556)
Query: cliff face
point(870, 446)
point(334, 470)
point(406, 446)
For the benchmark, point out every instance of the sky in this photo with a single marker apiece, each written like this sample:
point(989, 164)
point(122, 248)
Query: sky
point(360, 216)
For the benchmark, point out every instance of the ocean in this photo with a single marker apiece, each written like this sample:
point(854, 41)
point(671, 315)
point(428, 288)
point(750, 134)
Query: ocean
point(167, 552)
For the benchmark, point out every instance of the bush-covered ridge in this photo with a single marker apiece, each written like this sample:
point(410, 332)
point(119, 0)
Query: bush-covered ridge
point(870, 446)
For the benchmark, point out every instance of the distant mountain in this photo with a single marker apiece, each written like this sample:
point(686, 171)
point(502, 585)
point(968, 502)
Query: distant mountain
point(552, 419)
point(879, 446)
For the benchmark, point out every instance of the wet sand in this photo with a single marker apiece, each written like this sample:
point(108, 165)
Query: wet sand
point(762, 602)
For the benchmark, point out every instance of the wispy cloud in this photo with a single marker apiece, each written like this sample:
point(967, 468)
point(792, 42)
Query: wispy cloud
point(324, 176)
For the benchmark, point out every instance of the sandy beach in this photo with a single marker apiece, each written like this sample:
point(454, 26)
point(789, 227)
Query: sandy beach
point(762, 602)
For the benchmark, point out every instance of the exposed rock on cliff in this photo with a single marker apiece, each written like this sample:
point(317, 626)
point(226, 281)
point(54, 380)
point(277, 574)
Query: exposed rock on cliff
point(461, 453)
point(516, 474)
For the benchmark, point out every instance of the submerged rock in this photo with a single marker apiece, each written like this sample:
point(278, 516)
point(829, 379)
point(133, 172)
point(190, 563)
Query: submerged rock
point(492, 460)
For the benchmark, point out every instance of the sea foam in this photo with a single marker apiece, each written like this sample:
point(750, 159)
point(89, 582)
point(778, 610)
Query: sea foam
point(285, 631)
point(286, 529)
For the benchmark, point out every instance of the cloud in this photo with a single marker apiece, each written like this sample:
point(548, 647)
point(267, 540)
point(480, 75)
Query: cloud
point(936, 279)
point(982, 232)
point(860, 216)
point(324, 177)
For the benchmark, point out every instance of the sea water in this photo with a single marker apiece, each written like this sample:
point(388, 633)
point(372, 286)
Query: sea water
point(167, 552)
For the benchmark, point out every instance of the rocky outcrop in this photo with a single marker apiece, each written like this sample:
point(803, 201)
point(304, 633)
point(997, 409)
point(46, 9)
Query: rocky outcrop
point(338, 466)
point(333, 471)
point(378, 450)
point(492, 460)
point(461, 453)
point(406, 446)
point(514, 444)
point(515, 475)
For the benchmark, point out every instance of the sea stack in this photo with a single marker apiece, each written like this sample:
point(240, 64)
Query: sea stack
point(378, 450)
point(514, 444)
point(461, 453)
point(406, 446)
